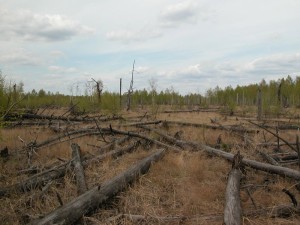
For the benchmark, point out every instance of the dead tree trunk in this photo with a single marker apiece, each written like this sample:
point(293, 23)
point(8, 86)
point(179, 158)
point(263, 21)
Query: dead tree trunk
point(57, 172)
point(90, 200)
point(259, 105)
point(78, 169)
point(233, 210)
point(130, 90)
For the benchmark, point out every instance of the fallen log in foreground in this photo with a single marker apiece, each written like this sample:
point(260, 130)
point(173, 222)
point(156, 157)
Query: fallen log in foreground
point(90, 200)
point(57, 172)
point(233, 210)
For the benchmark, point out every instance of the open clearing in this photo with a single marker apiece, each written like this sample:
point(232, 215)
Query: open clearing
point(185, 186)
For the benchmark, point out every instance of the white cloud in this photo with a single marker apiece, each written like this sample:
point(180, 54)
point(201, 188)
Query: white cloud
point(183, 12)
point(57, 54)
point(60, 69)
point(26, 25)
point(20, 56)
point(128, 36)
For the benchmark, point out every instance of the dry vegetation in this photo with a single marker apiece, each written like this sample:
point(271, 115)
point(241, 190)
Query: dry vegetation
point(182, 188)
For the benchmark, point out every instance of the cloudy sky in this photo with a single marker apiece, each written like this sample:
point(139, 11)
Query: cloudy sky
point(191, 45)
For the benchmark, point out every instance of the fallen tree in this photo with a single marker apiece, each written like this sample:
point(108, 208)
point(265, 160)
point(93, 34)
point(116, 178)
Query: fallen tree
point(282, 171)
point(92, 199)
point(57, 172)
point(233, 210)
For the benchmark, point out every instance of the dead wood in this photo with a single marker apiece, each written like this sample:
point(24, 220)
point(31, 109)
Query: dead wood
point(92, 199)
point(114, 153)
point(233, 210)
point(36, 180)
point(142, 123)
point(78, 169)
point(133, 134)
point(282, 171)
point(276, 135)
point(168, 138)
point(232, 128)
point(268, 158)
point(193, 110)
point(57, 172)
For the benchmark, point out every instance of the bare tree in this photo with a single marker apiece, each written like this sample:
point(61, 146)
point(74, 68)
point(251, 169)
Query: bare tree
point(130, 90)
point(99, 89)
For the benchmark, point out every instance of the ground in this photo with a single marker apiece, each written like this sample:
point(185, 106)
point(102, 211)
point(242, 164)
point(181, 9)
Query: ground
point(186, 187)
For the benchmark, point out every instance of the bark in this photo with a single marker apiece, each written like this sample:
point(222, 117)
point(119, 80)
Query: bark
point(92, 199)
point(78, 169)
point(233, 210)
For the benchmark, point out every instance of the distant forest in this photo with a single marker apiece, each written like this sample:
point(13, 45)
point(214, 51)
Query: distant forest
point(279, 93)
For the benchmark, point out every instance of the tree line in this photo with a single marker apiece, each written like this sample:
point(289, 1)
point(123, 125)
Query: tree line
point(279, 93)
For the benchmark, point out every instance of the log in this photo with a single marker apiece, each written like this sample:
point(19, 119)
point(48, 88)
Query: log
point(132, 134)
point(57, 172)
point(92, 199)
point(227, 128)
point(78, 169)
point(282, 171)
point(233, 210)
point(268, 158)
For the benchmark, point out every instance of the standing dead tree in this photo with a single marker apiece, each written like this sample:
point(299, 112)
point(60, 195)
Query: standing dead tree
point(259, 104)
point(130, 90)
point(99, 89)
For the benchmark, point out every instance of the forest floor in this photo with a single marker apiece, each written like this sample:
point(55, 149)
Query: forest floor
point(185, 187)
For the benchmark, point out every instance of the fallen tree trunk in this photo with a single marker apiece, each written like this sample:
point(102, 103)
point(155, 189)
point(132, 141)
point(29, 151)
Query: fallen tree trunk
point(92, 199)
point(132, 134)
point(78, 169)
point(282, 171)
point(268, 158)
point(220, 127)
point(57, 172)
point(233, 210)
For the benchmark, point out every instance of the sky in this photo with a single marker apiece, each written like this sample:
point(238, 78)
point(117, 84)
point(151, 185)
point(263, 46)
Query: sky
point(188, 45)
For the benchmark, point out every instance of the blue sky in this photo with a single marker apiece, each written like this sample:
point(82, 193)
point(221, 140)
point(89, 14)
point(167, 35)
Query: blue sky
point(188, 45)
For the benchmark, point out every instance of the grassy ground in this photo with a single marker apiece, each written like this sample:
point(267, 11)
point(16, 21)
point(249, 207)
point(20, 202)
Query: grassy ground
point(190, 184)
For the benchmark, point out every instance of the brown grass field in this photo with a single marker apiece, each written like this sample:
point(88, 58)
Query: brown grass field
point(189, 184)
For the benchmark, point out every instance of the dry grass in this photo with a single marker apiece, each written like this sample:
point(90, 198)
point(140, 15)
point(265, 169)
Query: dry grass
point(189, 184)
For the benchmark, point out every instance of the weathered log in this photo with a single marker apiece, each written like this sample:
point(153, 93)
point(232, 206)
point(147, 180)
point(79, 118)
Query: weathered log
point(233, 210)
point(276, 135)
point(168, 138)
point(132, 134)
point(142, 123)
point(36, 180)
point(227, 128)
point(268, 158)
point(92, 199)
point(78, 169)
point(282, 171)
point(57, 172)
